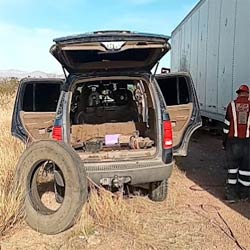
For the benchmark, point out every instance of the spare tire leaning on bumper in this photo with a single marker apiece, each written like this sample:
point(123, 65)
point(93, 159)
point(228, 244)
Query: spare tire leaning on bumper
point(36, 215)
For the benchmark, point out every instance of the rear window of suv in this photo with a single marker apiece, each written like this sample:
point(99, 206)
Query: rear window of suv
point(41, 97)
point(175, 90)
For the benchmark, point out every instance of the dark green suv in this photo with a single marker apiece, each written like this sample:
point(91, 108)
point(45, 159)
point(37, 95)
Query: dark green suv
point(111, 121)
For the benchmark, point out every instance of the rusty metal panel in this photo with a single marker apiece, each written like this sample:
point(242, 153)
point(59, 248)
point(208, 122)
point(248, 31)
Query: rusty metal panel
point(226, 50)
point(175, 52)
point(182, 47)
point(194, 47)
point(214, 11)
point(185, 61)
point(241, 62)
point(202, 55)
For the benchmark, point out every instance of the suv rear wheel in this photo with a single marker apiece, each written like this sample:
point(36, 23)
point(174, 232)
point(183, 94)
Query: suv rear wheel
point(36, 173)
point(158, 190)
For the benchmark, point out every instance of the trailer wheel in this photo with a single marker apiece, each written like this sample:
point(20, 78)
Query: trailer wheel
point(35, 176)
point(158, 190)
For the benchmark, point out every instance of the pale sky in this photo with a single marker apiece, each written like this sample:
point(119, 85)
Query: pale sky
point(27, 27)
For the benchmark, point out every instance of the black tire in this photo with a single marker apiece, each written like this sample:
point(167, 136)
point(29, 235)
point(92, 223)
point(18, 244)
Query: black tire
point(37, 215)
point(158, 190)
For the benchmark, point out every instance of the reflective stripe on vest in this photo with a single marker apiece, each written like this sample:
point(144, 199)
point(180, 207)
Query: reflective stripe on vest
point(227, 122)
point(233, 171)
point(244, 183)
point(248, 126)
point(245, 173)
point(234, 118)
point(232, 181)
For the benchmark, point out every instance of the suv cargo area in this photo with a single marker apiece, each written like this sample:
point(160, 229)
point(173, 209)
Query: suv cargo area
point(113, 119)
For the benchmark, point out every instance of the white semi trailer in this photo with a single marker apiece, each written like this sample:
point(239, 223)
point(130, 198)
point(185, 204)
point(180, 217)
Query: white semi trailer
point(213, 44)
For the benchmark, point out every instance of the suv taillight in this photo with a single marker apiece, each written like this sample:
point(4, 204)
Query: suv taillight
point(167, 135)
point(57, 133)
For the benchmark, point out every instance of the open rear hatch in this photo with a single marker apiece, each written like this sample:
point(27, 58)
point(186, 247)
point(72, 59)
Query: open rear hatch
point(110, 50)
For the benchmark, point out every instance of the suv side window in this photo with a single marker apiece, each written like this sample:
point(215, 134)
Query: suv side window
point(41, 97)
point(174, 90)
point(183, 91)
point(28, 98)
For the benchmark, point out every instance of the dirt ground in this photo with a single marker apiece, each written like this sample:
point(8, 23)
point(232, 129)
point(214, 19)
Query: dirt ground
point(195, 215)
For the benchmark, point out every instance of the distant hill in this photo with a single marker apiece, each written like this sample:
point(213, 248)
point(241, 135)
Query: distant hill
point(12, 73)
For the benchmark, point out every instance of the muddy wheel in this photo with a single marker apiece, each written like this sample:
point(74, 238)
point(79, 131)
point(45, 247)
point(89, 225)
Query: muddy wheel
point(36, 176)
point(158, 190)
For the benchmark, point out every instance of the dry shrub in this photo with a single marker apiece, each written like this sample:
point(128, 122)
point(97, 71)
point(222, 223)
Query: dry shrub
point(10, 150)
point(129, 218)
point(8, 87)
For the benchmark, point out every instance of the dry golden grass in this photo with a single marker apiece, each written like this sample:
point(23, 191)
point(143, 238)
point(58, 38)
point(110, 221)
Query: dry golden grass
point(114, 222)
point(10, 150)
point(129, 218)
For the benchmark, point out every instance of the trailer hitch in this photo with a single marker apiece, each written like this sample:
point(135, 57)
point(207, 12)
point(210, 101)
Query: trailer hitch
point(116, 183)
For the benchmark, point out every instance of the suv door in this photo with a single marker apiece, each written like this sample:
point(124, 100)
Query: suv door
point(182, 104)
point(35, 108)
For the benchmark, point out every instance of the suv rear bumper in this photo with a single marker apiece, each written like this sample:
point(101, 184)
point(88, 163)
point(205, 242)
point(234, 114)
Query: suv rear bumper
point(139, 172)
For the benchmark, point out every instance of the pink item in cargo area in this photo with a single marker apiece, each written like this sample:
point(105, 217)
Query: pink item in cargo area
point(112, 139)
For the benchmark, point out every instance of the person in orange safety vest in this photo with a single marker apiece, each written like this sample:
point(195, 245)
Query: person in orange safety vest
point(236, 142)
